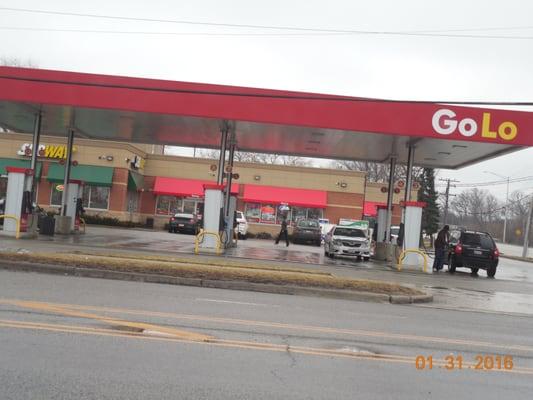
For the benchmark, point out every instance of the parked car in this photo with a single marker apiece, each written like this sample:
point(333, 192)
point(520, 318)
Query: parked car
point(347, 241)
point(307, 231)
point(242, 225)
point(474, 250)
point(182, 222)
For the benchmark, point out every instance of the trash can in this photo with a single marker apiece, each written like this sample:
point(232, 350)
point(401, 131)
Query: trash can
point(47, 225)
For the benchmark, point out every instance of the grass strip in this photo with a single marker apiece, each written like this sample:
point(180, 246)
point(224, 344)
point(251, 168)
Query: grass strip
point(212, 272)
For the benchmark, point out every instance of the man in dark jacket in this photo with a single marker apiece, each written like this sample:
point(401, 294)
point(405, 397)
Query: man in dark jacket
point(441, 244)
point(283, 232)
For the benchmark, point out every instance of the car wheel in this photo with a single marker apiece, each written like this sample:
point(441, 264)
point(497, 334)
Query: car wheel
point(451, 265)
point(474, 271)
point(491, 271)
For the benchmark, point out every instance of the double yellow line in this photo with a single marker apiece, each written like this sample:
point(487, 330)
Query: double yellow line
point(145, 331)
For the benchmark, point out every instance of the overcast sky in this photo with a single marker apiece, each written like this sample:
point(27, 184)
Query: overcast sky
point(386, 65)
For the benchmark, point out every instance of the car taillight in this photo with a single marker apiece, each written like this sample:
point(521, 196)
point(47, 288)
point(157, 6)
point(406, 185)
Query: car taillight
point(496, 253)
point(172, 219)
point(459, 248)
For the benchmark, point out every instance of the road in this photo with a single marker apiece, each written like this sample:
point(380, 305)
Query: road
point(67, 337)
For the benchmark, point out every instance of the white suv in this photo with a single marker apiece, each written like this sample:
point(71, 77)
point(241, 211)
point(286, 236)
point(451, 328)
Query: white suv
point(242, 225)
point(347, 241)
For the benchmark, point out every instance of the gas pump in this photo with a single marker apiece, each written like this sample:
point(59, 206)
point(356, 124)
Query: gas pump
point(380, 251)
point(213, 214)
point(19, 203)
point(74, 203)
point(229, 223)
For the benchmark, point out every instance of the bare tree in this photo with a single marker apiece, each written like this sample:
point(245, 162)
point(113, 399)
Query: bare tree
point(259, 158)
point(376, 172)
point(17, 62)
point(477, 209)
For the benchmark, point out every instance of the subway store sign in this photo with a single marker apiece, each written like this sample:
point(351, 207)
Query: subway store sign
point(46, 151)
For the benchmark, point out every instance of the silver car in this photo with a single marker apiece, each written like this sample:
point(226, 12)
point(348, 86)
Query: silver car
point(347, 241)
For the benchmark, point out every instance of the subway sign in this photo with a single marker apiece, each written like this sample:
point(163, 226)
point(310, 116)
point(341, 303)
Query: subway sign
point(445, 122)
point(46, 151)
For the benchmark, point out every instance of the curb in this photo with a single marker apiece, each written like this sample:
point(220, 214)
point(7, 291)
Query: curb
point(215, 284)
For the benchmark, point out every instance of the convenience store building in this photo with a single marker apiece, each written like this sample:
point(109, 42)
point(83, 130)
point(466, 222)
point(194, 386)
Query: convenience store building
point(137, 183)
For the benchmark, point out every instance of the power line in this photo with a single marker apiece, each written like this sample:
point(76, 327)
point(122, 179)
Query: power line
point(269, 27)
point(491, 183)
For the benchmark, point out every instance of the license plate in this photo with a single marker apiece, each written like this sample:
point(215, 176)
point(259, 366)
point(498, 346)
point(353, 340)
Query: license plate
point(181, 225)
point(478, 253)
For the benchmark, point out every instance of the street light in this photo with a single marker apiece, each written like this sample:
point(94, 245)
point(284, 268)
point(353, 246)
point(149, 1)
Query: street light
point(506, 201)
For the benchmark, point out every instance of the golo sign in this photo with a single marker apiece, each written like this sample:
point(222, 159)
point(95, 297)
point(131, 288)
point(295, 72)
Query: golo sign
point(445, 123)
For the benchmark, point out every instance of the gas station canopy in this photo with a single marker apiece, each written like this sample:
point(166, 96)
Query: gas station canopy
point(305, 124)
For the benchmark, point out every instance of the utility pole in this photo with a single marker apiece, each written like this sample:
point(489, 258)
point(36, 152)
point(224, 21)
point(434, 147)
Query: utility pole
point(447, 196)
point(506, 211)
point(528, 223)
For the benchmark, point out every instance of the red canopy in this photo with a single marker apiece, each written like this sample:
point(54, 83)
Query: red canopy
point(184, 187)
point(278, 195)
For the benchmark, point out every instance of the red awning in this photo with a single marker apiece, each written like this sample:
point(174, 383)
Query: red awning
point(278, 195)
point(370, 208)
point(184, 187)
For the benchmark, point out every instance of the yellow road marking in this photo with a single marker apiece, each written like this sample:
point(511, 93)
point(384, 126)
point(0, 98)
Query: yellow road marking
point(112, 321)
point(310, 328)
point(240, 344)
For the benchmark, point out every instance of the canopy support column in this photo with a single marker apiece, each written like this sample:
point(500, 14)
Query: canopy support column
point(68, 164)
point(222, 157)
point(389, 198)
point(409, 178)
point(229, 178)
point(35, 153)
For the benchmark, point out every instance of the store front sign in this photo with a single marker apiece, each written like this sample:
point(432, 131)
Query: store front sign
point(46, 151)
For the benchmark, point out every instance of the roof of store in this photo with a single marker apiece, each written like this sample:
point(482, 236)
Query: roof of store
point(314, 125)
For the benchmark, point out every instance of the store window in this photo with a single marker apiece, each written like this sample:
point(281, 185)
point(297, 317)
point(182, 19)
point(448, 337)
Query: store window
point(133, 201)
point(253, 212)
point(55, 196)
point(270, 214)
point(170, 205)
point(96, 197)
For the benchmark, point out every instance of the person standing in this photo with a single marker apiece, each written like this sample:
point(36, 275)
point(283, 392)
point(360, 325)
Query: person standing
point(283, 232)
point(441, 244)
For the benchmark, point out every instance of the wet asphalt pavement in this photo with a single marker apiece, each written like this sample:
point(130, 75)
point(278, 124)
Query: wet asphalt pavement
point(510, 292)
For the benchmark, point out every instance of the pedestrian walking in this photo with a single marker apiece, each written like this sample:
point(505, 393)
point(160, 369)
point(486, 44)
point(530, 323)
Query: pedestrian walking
point(441, 244)
point(283, 232)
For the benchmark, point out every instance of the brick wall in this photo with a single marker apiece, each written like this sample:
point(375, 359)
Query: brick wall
point(118, 195)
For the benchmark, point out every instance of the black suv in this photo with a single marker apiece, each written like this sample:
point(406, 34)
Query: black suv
point(474, 250)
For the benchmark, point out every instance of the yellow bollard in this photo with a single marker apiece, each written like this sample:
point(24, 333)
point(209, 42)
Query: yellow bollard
point(17, 234)
point(416, 251)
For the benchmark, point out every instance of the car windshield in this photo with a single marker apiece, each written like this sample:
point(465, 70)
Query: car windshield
point(478, 239)
point(305, 223)
point(349, 232)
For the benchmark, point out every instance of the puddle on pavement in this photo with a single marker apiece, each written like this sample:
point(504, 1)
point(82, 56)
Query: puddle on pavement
point(480, 300)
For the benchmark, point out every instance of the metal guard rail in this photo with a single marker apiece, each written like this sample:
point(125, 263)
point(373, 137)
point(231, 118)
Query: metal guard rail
point(200, 237)
point(17, 220)
point(416, 251)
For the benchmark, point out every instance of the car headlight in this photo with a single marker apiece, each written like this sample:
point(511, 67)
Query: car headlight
point(337, 242)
